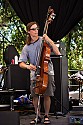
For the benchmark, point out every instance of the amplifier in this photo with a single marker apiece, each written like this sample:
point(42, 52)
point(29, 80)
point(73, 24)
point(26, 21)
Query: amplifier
point(17, 78)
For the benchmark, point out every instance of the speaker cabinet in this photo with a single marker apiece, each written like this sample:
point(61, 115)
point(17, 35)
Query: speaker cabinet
point(9, 118)
point(61, 103)
point(17, 78)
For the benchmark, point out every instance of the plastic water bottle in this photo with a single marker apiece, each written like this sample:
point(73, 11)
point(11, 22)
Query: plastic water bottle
point(16, 59)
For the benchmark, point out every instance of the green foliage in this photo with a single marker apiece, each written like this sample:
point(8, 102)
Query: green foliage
point(12, 31)
point(74, 46)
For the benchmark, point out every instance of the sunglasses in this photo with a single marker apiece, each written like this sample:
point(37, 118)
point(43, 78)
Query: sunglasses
point(37, 28)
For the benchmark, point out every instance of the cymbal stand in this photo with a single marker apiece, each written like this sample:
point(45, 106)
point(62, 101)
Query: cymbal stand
point(1, 82)
point(80, 91)
point(5, 69)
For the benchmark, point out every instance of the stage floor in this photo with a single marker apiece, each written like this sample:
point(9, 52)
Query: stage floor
point(60, 120)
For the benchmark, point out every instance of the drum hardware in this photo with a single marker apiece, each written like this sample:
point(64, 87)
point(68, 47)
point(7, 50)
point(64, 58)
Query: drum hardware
point(79, 78)
point(3, 70)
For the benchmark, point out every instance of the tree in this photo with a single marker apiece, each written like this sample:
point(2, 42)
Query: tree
point(74, 47)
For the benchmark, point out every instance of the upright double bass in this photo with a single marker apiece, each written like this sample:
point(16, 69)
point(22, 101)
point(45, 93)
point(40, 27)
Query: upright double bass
point(43, 59)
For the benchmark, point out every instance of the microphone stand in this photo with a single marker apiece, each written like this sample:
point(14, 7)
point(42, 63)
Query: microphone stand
point(37, 109)
point(60, 113)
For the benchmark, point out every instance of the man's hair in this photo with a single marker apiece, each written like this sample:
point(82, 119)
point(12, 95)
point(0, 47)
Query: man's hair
point(28, 37)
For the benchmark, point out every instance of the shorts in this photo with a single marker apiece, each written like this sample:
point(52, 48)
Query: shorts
point(50, 88)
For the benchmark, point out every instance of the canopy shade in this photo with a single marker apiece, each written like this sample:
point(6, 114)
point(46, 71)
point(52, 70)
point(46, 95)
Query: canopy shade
point(68, 14)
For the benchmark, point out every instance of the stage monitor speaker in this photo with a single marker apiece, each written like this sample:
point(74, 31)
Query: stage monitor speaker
point(61, 81)
point(9, 118)
point(17, 78)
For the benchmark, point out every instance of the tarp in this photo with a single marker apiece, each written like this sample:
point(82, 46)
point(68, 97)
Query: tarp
point(68, 14)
